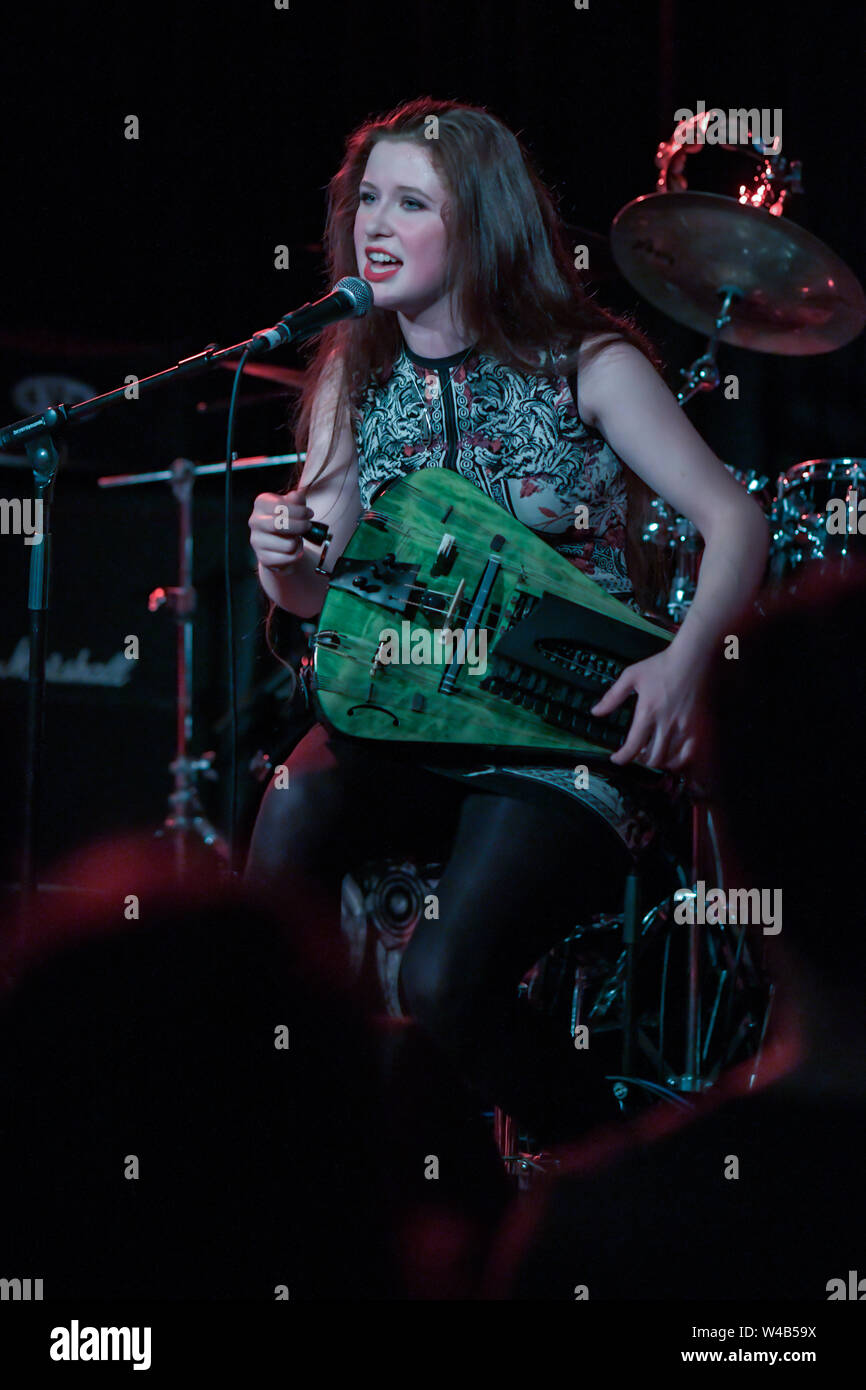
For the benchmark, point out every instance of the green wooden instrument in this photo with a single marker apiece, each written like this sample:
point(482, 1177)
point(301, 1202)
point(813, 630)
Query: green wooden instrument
point(533, 642)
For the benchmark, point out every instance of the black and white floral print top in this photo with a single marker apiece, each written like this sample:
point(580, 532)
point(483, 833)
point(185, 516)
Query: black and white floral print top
point(518, 437)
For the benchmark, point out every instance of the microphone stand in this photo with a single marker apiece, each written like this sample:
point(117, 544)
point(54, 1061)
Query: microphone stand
point(44, 460)
point(37, 434)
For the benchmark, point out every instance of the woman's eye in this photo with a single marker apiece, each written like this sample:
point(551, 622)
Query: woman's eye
point(367, 197)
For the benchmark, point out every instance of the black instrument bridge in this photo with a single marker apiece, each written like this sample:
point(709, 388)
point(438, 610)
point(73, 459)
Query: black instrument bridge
point(386, 581)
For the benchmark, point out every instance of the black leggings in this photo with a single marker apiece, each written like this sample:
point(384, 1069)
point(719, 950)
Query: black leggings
point(519, 878)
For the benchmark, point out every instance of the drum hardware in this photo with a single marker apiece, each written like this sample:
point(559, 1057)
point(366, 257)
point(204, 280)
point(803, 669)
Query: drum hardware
point(721, 1008)
point(675, 1043)
point(381, 904)
point(800, 534)
point(790, 294)
point(781, 289)
point(668, 530)
point(687, 1034)
point(186, 817)
point(703, 373)
point(581, 979)
point(731, 268)
point(775, 178)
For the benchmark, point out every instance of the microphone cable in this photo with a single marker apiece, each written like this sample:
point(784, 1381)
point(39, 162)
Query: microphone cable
point(234, 868)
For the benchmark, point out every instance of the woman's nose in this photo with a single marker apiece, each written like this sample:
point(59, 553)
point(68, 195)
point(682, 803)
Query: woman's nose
point(379, 226)
point(378, 220)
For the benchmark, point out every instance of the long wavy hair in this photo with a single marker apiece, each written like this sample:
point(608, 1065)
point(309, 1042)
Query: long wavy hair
point(517, 289)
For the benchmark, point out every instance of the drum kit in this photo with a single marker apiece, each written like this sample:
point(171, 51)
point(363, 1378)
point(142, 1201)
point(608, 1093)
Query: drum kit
point(735, 269)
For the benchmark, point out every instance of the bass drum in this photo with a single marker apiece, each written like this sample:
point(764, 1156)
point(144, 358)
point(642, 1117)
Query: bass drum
point(807, 530)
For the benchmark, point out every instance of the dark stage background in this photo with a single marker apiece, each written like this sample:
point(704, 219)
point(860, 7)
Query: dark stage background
point(122, 256)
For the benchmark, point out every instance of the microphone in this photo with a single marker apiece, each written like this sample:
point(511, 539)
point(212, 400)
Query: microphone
point(351, 298)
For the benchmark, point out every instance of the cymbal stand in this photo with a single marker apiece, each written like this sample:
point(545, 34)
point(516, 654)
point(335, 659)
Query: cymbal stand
point(705, 863)
point(703, 374)
point(185, 816)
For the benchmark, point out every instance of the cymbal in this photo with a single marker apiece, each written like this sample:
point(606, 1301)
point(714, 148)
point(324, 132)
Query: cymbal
point(680, 249)
point(287, 376)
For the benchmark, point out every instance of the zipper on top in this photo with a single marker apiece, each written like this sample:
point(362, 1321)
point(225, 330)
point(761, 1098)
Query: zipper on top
point(449, 417)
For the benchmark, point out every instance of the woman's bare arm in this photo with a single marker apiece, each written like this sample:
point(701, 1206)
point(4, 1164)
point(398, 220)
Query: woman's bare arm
point(287, 561)
point(623, 397)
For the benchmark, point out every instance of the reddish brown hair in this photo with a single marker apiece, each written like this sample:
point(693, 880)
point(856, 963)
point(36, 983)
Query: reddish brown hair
point(516, 286)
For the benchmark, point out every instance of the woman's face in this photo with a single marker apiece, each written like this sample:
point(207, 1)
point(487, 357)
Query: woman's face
point(401, 215)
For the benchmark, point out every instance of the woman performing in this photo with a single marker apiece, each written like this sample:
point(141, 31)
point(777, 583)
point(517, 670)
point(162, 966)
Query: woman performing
point(482, 353)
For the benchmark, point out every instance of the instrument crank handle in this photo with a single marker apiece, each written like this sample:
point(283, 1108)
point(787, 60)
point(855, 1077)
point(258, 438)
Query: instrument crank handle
point(319, 534)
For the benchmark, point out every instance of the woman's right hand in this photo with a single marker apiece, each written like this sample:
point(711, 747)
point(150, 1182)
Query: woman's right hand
point(277, 524)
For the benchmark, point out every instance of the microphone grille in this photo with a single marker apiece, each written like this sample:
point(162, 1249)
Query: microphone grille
point(359, 292)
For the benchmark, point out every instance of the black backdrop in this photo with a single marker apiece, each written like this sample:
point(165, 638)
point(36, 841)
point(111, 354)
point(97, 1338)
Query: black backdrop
point(122, 255)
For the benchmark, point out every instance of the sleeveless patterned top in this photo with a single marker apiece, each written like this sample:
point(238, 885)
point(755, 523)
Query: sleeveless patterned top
point(520, 439)
point(517, 437)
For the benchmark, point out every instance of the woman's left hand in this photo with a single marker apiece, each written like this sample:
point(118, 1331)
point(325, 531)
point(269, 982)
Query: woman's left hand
point(664, 726)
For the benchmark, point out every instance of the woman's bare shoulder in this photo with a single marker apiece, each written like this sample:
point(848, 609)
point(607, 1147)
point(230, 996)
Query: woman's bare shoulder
point(606, 361)
point(596, 345)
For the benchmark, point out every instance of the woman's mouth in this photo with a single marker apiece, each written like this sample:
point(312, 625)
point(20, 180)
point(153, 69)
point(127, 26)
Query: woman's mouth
point(380, 265)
